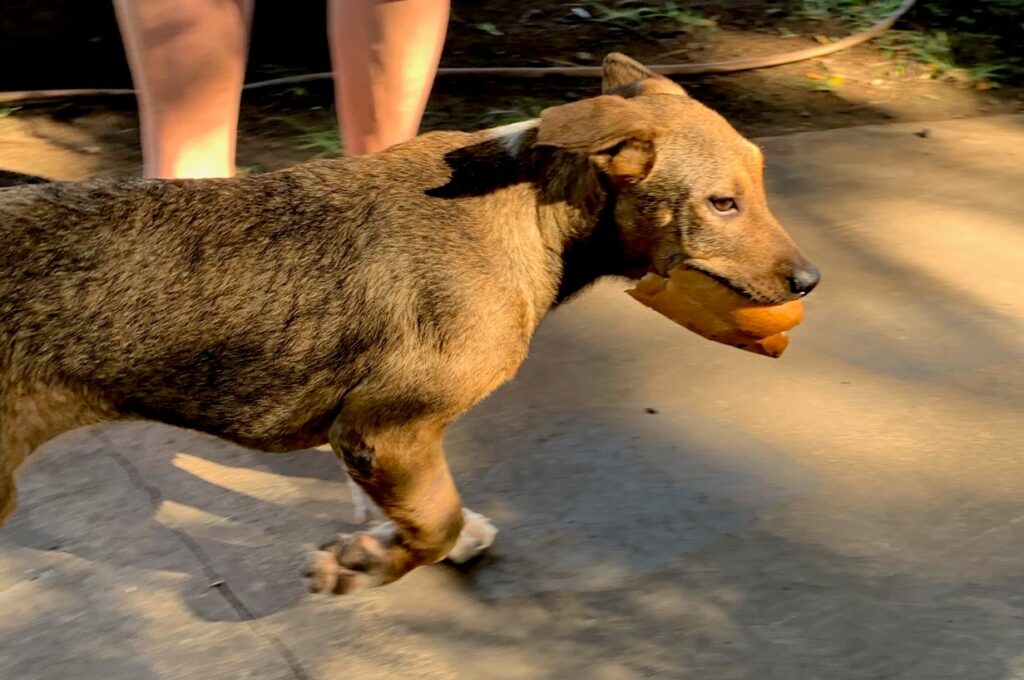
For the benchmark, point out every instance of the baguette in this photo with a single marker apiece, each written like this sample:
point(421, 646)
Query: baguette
point(716, 312)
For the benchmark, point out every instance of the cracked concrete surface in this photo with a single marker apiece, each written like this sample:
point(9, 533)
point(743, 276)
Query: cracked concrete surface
point(852, 510)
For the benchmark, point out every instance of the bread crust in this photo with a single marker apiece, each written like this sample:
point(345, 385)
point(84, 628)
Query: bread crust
point(710, 309)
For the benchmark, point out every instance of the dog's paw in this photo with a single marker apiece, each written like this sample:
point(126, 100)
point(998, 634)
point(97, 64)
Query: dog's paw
point(348, 563)
point(477, 536)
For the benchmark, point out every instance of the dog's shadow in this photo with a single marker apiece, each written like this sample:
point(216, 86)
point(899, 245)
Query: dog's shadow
point(140, 498)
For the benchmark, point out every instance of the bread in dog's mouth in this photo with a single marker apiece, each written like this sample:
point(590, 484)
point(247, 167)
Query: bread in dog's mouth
point(717, 311)
point(725, 281)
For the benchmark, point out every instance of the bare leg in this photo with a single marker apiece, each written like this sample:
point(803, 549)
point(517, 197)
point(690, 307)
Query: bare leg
point(188, 62)
point(385, 55)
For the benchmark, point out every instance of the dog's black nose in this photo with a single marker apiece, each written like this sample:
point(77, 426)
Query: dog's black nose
point(803, 280)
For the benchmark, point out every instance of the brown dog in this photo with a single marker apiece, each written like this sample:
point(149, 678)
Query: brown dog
point(366, 301)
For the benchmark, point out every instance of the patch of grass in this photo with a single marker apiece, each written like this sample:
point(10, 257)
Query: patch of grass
point(524, 109)
point(488, 28)
point(988, 12)
point(1008, 8)
point(855, 12)
point(686, 17)
point(964, 57)
point(978, 41)
point(824, 79)
point(325, 141)
point(635, 13)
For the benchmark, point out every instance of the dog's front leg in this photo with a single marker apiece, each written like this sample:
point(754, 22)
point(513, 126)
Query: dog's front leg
point(404, 472)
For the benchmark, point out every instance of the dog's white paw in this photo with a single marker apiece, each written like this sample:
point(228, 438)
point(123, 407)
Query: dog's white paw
point(477, 536)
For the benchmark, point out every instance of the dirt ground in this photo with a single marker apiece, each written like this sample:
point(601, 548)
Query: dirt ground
point(974, 70)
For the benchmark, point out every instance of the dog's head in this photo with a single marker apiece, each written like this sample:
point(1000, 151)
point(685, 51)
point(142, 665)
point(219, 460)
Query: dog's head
point(688, 188)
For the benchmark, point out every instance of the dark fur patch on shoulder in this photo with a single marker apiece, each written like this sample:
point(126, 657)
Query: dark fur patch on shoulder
point(478, 170)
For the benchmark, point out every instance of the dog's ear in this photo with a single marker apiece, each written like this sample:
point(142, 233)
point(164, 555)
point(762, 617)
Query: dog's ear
point(629, 78)
point(616, 133)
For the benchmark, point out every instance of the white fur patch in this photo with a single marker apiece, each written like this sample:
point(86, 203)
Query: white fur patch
point(363, 509)
point(511, 135)
point(477, 536)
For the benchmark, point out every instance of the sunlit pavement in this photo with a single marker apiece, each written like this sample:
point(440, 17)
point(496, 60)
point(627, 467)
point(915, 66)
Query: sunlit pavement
point(851, 510)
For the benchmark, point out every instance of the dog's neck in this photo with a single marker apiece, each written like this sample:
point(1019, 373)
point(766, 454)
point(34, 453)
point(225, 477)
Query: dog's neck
point(575, 215)
point(561, 193)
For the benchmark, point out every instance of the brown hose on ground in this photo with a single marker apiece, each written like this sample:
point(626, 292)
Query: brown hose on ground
point(727, 66)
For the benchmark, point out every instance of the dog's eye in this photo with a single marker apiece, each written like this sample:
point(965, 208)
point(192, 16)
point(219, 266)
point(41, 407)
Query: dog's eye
point(723, 205)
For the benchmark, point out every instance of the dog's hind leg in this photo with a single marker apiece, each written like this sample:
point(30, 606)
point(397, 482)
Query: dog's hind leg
point(31, 414)
point(403, 470)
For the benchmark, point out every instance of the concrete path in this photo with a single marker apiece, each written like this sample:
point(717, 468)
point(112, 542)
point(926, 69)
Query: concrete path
point(669, 508)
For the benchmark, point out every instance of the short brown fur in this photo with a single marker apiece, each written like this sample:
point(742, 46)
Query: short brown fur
point(366, 301)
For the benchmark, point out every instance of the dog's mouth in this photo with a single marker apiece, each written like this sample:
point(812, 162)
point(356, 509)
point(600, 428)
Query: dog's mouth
point(754, 296)
point(746, 292)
